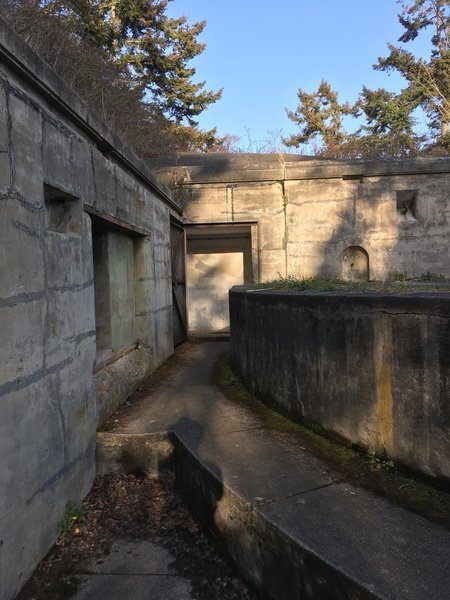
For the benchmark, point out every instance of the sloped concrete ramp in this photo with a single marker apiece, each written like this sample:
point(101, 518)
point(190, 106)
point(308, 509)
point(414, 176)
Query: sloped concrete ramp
point(294, 526)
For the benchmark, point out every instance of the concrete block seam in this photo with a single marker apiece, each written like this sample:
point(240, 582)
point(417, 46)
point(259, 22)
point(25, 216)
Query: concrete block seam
point(23, 298)
point(39, 108)
point(79, 287)
point(23, 382)
point(14, 195)
point(65, 469)
point(22, 227)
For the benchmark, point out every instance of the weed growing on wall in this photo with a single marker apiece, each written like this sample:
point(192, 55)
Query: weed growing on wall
point(428, 276)
point(379, 464)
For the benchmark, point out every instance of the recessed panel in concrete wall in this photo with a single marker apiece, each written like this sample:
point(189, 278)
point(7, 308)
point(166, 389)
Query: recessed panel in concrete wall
point(355, 264)
point(122, 289)
point(114, 289)
point(209, 277)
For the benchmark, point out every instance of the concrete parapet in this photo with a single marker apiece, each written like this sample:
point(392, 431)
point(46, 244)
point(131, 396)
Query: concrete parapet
point(373, 368)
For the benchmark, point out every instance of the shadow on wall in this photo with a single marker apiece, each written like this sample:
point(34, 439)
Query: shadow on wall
point(209, 278)
point(173, 171)
point(361, 247)
point(379, 342)
point(199, 480)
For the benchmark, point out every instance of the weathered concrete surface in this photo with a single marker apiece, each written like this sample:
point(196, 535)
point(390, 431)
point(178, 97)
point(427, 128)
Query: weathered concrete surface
point(373, 368)
point(291, 523)
point(62, 178)
point(134, 570)
point(309, 211)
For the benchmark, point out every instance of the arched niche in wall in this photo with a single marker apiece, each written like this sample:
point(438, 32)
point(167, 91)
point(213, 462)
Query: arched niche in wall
point(355, 264)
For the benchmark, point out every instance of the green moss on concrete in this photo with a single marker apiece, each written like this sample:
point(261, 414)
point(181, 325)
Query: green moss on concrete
point(380, 475)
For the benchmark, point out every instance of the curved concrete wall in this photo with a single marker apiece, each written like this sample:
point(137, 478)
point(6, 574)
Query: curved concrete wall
point(373, 368)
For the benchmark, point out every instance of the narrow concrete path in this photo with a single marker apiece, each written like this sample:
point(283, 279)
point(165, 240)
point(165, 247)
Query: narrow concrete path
point(386, 551)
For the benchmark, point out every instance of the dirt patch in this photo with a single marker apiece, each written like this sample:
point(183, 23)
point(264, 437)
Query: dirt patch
point(132, 507)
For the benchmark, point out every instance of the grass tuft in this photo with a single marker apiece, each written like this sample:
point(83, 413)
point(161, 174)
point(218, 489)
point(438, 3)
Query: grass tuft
point(400, 283)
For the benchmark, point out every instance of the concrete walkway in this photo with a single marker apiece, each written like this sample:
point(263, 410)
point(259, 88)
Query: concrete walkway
point(340, 541)
point(133, 570)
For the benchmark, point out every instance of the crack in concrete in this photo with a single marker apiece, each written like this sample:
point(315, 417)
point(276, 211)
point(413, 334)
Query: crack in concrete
point(126, 574)
point(89, 450)
point(76, 287)
point(302, 493)
point(14, 195)
point(22, 227)
point(23, 382)
point(259, 427)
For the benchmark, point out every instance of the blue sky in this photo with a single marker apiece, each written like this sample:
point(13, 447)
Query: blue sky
point(261, 52)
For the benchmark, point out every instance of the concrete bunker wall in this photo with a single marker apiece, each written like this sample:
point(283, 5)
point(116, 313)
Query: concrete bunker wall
point(373, 368)
point(65, 186)
point(306, 212)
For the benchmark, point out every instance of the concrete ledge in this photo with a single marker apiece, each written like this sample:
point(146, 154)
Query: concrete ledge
point(197, 168)
point(268, 558)
point(295, 527)
point(147, 453)
point(285, 548)
point(277, 565)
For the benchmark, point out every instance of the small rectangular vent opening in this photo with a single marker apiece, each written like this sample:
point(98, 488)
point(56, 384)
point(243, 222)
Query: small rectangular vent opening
point(406, 205)
point(63, 211)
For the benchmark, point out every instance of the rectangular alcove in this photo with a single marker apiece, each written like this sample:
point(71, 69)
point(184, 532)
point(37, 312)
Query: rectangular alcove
point(63, 211)
point(114, 289)
point(406, 206)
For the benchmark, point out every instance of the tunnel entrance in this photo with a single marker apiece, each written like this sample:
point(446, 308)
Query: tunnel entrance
point(219, 256)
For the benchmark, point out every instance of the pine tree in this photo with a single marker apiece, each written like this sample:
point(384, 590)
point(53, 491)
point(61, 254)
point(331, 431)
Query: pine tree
point(428, 81)
point(150, 49)
point(319, 116)
point(389, 128)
